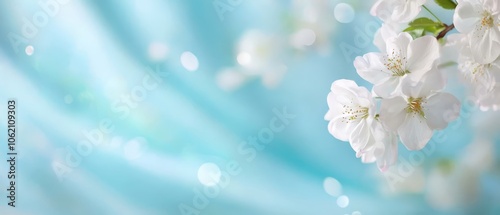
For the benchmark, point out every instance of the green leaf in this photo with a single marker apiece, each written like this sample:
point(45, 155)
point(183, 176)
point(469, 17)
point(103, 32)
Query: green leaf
point(436, 30)
point(446, 4)
point(424, 22)
point(421, 26)
point(417, 33)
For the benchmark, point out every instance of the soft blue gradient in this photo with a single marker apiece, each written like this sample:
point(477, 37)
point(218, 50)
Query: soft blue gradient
point(93, 52)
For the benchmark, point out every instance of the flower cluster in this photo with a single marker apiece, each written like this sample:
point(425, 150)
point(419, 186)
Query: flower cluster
point(407, 102)
point(478, 43)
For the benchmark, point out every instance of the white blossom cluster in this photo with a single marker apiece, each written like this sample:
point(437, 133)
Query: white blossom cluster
point(407, 102)
point(478, 45)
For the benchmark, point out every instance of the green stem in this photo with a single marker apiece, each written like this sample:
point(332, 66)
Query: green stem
point(434, 15)
point(447, 64)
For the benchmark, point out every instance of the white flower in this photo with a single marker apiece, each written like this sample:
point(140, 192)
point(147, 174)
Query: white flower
point(482, 79)
point(404, 58)
point(352, 118)
point(419, 111)
point(480, 19)
point(488, 100)
point(480, 76)
point(351, 111)
point(397, 10)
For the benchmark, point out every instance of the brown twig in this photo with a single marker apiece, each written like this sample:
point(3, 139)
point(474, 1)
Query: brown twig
point(445, 31)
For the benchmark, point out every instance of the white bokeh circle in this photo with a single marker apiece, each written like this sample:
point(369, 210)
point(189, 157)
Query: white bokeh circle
point(344, 13)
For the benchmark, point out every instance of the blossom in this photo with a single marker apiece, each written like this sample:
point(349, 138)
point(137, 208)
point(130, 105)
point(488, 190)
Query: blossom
point(482, 79)
point(486, 99)
point(481, 76)
point(404, 58)
point(352, 118)
point(419, 110)
point(481, 20)
point(351, 111)
point(397, 10)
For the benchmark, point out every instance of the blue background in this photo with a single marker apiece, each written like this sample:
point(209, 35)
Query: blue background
point(91, 53)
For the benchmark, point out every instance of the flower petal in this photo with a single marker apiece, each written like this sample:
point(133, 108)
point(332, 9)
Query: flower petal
point(408, 10)
point(389, 155)
point(367, 157)
point(388, 88)
point(440, 109)
point(347, 92)
point(414, 133)
point(329, 115)
point(342, 92)
point(453, 47)
point(381, 10)
point(341, 129)
point(466, 16)
point(483, 45)
point(432, 81)
point(392, 112)
point(397, 46)
point(422, 53)
point(361, 135)
point(385, 148)
point(371, 67)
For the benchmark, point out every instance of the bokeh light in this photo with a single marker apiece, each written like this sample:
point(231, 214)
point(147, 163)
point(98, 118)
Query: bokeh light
point(332, 186)
point(189, 61)
point(344, 13)
point(343, 201)
point(209, 174)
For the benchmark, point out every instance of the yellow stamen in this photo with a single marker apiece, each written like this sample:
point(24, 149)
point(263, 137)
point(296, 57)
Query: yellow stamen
point(415, 106)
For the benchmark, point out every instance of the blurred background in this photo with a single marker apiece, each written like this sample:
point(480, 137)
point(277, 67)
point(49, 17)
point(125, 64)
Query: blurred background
point(214, 107)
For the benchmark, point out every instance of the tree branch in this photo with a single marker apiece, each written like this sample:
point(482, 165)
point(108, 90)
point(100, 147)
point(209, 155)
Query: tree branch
point(445, 31)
